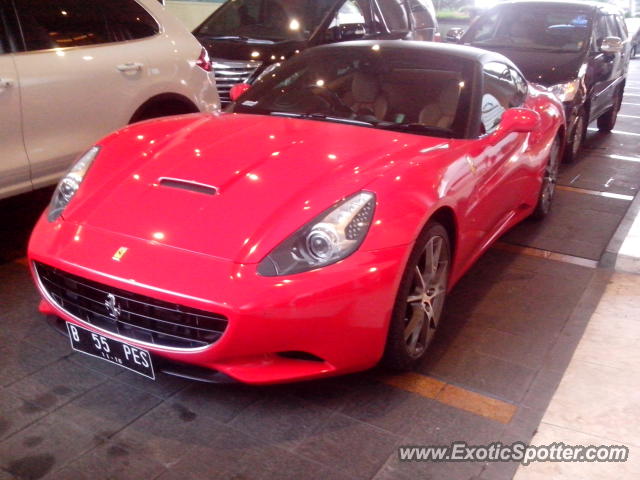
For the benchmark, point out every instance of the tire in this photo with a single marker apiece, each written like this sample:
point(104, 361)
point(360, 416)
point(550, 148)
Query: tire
point(420, 300)
point(549, 179)
point(607, 120)
point(162, 109)
point(572, 148)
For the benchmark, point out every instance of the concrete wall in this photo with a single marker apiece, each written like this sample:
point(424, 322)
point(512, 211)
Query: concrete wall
point(191, 13)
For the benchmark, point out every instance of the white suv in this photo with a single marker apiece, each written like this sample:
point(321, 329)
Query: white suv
point(73, 70)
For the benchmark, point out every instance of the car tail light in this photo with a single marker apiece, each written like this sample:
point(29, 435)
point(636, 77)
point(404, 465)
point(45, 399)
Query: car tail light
point(204, 62)
point(437, 37)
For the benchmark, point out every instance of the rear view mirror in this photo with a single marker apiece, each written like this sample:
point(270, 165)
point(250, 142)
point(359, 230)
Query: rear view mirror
point(520, 120)
point(611, 45)
point(237, 90)
point(454, 35)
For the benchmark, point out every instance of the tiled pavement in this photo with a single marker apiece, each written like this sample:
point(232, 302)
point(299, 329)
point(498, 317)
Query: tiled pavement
point(511, 328)
point(72, 417)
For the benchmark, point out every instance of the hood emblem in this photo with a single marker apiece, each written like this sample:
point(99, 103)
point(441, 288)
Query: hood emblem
point(119, 254)
point(112, 306)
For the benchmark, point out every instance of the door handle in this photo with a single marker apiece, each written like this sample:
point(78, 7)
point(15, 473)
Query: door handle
point(130, 67)
point(5, 83)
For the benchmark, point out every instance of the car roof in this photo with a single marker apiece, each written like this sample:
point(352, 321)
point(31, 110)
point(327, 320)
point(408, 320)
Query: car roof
point(574, 3)
point(463, 52)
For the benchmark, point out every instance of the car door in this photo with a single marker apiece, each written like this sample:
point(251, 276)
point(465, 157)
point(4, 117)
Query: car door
point(79, 78)
point(14, 166)
point(498, 157)
point(603, 67)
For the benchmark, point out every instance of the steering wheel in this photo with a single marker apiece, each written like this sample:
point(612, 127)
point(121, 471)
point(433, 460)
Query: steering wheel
point(331, 98)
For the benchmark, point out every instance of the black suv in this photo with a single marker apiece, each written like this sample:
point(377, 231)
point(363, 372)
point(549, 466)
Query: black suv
point(246, 37)
point(580, 50)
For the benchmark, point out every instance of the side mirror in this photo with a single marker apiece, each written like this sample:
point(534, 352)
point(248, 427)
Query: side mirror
point(237, 90)
point(519, 120)
point(611, 45)
point(454, 35)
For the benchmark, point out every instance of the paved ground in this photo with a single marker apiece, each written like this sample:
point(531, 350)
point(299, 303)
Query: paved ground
point(512, 325)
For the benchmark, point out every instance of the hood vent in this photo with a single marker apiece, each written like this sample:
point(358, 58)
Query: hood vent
point(188, 185)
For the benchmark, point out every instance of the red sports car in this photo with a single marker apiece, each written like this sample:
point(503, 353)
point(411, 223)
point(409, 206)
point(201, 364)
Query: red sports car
point(313, 230)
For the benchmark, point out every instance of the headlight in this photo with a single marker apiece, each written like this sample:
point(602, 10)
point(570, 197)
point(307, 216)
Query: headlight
point(70, 184)
point(328, 238)
point(566, 92)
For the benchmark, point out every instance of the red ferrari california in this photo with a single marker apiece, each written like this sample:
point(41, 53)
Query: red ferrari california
point(313, 230)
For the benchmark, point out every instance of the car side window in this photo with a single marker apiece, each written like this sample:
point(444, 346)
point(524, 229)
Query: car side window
point(601, 31)
point(522, 87)
point(3, 41)
point(613, 27)
point(348, 14)
point(484, 27)
point(128, 20)
point(500, 93)
point(623, 27)
point(421, 15)
point(61, 24)
point(395, 15)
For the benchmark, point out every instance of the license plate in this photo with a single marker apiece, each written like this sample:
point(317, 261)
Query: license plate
point(119, 353)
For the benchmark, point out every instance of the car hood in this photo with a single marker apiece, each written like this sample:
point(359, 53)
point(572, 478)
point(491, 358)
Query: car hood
point(272, 175)
point(250, 51)
point(545, 68)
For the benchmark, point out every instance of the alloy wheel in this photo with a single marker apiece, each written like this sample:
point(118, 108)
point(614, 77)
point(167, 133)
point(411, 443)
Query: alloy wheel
point(550, 176)
point(578, 135)
point(426, 297)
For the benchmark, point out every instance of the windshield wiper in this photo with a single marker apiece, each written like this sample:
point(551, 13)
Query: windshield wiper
point(239, 38)
point(522, 47)
point(416, 128)
point(323, 117)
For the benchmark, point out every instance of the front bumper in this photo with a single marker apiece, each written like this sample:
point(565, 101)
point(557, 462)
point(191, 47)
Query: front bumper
point(338, 314)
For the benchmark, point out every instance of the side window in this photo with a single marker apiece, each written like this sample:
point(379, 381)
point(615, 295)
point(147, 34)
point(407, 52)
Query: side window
point(128, 20)
point(613, 27)
point(623, 27)
point(600, 31)
point(522, 87)
point(61, 23)
point(3, 38)
point(499, 94)
point(421, 14)
point(395, 15)
point(484, 27)
point(349, 13)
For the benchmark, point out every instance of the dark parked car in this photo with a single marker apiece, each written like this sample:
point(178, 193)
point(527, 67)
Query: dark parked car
point(247, 37)
point(635, 43)
point(580, 50)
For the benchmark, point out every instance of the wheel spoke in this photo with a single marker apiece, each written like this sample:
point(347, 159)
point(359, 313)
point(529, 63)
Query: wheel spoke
point(422, 285)
point(417, 319)
point(417, 297)
point(432, 258)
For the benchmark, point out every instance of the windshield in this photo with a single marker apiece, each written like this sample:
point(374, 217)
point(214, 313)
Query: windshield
point(390, 88)
point(274, 20)
point(526, 27)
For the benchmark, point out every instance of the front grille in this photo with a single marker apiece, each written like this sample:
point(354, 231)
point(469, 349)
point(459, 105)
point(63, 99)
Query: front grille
point(229, 73)
point(138, 317)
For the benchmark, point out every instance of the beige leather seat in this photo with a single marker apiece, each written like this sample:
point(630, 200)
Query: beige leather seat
point(441, 111)
point(366, 97)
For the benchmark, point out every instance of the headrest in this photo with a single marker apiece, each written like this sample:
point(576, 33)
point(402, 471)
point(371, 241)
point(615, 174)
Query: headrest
point(364, 88)
point(448, 100)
